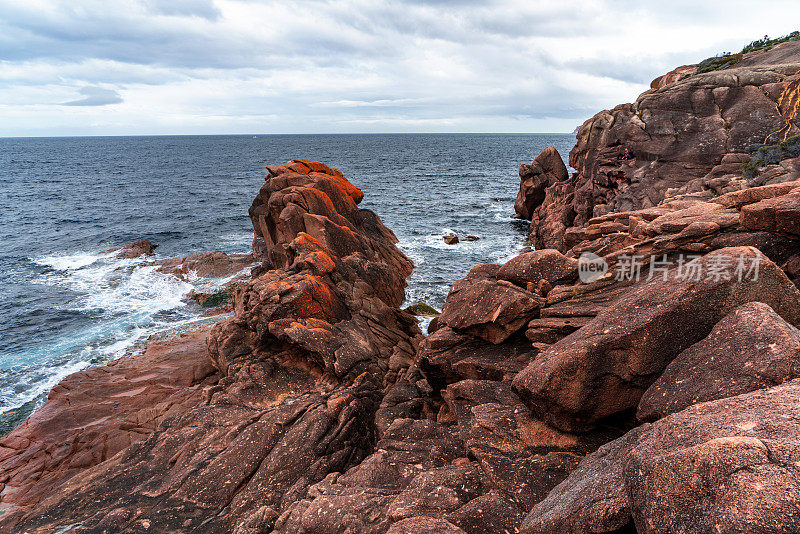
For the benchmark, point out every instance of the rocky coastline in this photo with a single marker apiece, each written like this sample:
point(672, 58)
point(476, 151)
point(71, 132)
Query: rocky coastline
point(638, 370)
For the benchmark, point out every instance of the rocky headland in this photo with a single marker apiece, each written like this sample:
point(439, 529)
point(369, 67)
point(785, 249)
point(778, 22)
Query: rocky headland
point(656, 390)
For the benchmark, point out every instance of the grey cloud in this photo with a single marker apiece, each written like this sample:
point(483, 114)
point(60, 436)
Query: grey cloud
point(96, 96)
point(316, 62)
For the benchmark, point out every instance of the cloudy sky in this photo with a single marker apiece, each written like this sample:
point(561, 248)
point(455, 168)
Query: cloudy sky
point(116, 67)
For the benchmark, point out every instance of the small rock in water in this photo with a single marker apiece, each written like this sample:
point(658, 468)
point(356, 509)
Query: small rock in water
point(142, 247)
point(423, 308)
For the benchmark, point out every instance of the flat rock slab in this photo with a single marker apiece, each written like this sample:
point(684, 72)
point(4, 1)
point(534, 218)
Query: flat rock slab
point(93, 414)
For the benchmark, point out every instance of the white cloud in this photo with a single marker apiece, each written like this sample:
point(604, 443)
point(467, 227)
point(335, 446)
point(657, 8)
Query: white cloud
point(237, 66)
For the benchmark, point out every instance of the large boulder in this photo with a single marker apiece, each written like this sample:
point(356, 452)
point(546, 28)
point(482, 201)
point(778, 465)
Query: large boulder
point(531, 267)
point(592, 498)
point(547, 169)
point(602, 369)
point(779, 215)
point(489, 309)
point(750, 348)
point(725, 466)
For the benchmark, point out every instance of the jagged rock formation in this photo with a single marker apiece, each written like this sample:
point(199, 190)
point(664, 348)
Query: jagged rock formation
point(547, 169)
point(688, 133)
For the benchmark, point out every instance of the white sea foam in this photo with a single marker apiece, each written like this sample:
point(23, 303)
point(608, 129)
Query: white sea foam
point(128, 301)
point(68, 262)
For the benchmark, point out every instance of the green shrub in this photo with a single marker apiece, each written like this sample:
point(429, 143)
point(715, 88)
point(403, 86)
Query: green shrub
point(727, 59)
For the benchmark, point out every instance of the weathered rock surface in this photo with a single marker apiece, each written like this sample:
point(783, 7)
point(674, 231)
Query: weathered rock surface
point(547, 169)
point(490, 309)
point(302, 366)
point(93, 414)
point(142, 247)
point(750, 348)
point(592, 498)
point(682, 135)
point(215, 264)
point(722, 466)
point(322, 409)
point(603, 369)
point(537, 265)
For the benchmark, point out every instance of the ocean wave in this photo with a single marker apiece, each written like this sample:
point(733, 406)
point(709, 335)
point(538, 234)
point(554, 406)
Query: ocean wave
point(125, 301)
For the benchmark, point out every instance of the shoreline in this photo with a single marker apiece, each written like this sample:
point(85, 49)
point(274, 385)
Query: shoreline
point(587, 384)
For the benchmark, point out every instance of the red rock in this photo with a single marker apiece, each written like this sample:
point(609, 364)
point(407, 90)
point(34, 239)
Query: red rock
point(603, 369)
point(302, 366)
point(532, 267)
point(779, 215)
point(446, 356)
point(547, 169)
point(488, 514)
point(678, 132)
point(750, 348)
point(93, 414)
point(142, 247)
point(673, 76)
point(592, 498)
point(424, 525)
point(215, 264)
point(490, 310)
point(691, 471)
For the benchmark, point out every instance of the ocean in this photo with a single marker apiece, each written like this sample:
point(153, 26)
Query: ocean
point(67, 305)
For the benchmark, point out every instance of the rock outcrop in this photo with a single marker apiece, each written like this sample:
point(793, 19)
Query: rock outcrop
point(751, 348)
point(142, 247)
point(721, 466)
point(690, 133)
point(92, 415)
point(546, 169)
point(214, 264)
point(603, 369)
point(299, 373)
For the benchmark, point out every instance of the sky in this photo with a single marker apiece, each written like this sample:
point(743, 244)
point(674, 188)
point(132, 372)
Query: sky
point(152, 67)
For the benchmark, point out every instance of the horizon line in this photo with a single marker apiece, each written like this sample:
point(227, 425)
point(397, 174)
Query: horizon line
point(274, 134)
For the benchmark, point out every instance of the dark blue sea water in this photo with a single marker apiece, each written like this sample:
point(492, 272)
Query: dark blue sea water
point(66, 305)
